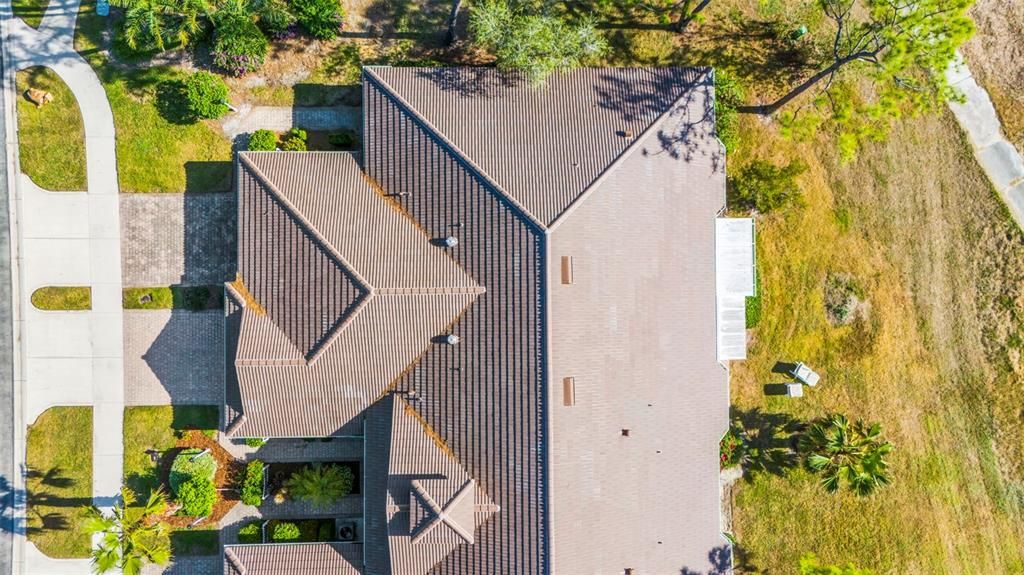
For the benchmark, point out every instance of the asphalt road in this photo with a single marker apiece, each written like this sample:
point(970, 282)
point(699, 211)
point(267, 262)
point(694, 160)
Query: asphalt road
point(6, 363)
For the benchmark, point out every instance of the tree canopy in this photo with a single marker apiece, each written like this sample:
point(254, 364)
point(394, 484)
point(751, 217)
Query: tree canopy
point(129, 537)
point(902, 49)
point(537, 45)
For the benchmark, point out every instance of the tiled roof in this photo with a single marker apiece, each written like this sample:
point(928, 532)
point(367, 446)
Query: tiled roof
point(636, 331)
point(302, 209)
point(541, 147)
point(483, 396)
point(472, 190)
point(294, 559)
point(422, 505)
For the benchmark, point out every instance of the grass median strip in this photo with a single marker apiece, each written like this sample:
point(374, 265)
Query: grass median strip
point(193, 298)
point(31, 11)
point(59, 481)
point(51, 137)
point(62, 298)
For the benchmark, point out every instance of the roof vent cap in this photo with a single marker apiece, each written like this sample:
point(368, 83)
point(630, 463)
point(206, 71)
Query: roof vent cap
point(452, 339)
point(451, 241)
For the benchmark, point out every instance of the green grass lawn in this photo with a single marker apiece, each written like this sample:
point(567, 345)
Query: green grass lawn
point(61, 298)
point(189, 543)
point(194, 298)
point(31, 11)
point(156, 151)
point(156, 428)
point(51, 139)
point(59, 481)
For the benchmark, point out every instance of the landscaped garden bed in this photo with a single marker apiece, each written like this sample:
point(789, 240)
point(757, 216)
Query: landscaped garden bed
point(278, 474)
point(156, 436)
point(59, 481)
point(51, 137)
point(318, 530)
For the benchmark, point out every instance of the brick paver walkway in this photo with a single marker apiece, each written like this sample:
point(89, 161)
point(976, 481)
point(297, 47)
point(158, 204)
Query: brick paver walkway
point(173, 357)
point(188, 566)
point(279, 119)
point(169, 239)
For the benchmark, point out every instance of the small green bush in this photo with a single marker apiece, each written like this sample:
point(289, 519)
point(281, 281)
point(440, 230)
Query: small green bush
point(346, 140)
point(197, 496)
point(285, 532)
point(239, 46)
point(206, 94)
point(321, 18)
point(262, 141)
point(274, 16)
point(325, 533)
point(255, 441)
point(294, 141)
point(765, 187)
point(252, 485)
point(183, 468)
point(250, 533)
point(729, 95)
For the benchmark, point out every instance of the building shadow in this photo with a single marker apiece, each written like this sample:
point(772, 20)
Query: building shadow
point(207, 177)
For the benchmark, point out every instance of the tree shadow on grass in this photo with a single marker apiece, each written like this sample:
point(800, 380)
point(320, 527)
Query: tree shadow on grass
point(172, 103)
point(770, 441)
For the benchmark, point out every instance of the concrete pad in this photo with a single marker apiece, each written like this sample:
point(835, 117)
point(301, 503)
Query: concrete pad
point(106, 335)
point(58, 334)
point(37, 563)
point(61, 215)
point(57, 262)
point(107, 369)
point(105, 259)
point(1002, 163)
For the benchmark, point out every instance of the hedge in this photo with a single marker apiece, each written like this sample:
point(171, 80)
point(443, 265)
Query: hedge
point(252, 485)
point(184, 469)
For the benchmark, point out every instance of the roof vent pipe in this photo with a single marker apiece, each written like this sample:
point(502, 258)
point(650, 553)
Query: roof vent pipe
point(452, 339)
point(451, 241)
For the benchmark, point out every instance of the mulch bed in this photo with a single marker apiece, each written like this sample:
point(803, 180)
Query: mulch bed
point(229, 474)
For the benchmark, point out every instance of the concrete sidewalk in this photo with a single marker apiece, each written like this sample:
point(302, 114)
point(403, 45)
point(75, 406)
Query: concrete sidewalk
point(998, 157)
point(69, 238)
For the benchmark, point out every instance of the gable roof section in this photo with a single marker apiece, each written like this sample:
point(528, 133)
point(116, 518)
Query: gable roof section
point(413, 291)
point(427, 504)
point(305, 289)
point(541, 147)
point(293, 559)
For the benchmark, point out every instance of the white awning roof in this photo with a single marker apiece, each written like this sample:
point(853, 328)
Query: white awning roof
point(734, 281)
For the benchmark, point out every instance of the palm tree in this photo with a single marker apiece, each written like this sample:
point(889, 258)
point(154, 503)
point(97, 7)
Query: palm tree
point(844, 452)
point(130, 538)
point(321, 485)
point(151, 24)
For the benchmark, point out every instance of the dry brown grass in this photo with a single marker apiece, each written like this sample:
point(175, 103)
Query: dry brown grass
point(933, 249)
point(996, 57)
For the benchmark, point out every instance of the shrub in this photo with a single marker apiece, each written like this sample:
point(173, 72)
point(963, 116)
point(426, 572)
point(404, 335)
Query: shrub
point(197, 496)
point(262, 141)
point(345, 140)
point(321, 485)
point(206, 94)
point(728, 96)
point(273, 16)
point(325, 533)
point(183, 469)
point(763, 186)
point(321, 18)
point(731, 449)
point(294, 141)
point(250, 533)
point(284, 532)
point(252, 485)
point(239, 46)
point(255, 441)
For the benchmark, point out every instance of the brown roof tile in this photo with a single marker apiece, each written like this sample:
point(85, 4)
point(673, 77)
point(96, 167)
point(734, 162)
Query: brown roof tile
point(294, 559)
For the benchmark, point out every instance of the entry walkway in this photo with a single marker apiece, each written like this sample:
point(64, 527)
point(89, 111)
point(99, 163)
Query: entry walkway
point(69, 238)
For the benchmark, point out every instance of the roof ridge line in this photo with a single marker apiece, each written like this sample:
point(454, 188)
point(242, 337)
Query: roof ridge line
point(455, 150)
point(447, 290)
point(625, 155)
point(329, 249)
